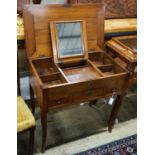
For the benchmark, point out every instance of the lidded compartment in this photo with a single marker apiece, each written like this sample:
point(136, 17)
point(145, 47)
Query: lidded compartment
point(41, 24)
point(124, 51)
point(43, 44)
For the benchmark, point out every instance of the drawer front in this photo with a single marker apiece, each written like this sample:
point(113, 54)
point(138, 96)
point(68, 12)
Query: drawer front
point(85, 91)
point(58, 102)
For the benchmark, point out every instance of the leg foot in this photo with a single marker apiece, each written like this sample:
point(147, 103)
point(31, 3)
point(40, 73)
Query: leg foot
point(44, 131)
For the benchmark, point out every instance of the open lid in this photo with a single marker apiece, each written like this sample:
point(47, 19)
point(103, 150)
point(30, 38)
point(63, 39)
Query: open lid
point(128, 42)
point(37, 19)
point(125, 47)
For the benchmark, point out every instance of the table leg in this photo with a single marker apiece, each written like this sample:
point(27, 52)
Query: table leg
point(18, 75)
point(44, 130)
point(31, 142)
point(114, 112)
point(93, 102)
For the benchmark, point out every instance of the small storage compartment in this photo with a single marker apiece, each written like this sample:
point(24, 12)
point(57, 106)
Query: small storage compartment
point(48, 72)
point(80, 71)
point(98, 58)
point(44, 66)
point(53, 79)
point(109, 70)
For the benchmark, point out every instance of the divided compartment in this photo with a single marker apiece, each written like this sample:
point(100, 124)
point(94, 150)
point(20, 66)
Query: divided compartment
point(107, 70)
point(48, 71)
point(53, 79)
point(79, 71)
point(98, 59)
point(45, 66)
point(107, 66)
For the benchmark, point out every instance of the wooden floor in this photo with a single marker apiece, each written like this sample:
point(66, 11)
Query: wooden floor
point(78, 121)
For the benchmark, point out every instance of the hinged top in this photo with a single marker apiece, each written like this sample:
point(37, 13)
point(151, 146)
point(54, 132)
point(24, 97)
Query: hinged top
point(37, 20)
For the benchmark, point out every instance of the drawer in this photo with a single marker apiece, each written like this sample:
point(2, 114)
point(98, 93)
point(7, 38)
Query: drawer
point(84, 91)
point(58, 102)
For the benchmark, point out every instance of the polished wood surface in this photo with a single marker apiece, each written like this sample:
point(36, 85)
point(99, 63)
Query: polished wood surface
point(124, 51)
point(125, 47)
point(120, 8)
point(39, 36)
point(59, 84)
point(120, 25)
point(115, 8)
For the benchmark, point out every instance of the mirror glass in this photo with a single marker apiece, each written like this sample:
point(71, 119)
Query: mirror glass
point(69, 37)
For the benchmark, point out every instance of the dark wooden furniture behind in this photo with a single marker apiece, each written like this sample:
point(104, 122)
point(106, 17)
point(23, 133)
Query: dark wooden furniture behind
point(115, 8)
point(124, 51)
point(58, 81)
point(120, 8)
point(20, 4)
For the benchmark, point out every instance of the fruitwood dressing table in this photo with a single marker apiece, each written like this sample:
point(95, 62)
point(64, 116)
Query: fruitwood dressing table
point(67, 64)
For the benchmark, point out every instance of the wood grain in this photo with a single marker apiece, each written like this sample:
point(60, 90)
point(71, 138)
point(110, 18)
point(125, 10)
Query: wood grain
point(116, 8)
point(62, 84)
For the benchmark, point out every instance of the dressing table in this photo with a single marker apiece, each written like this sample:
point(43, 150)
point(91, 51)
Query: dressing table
point(66, 61)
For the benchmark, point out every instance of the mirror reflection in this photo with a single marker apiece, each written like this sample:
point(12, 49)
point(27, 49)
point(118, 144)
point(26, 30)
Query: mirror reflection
point(69, 39)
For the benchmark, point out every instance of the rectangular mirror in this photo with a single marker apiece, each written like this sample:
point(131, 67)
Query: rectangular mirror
point(69, 38)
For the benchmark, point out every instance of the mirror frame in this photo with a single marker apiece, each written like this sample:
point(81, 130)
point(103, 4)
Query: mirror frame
point(54, 37)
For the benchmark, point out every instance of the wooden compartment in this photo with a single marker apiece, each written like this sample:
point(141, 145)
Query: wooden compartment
point(80, 71)
point(98, 58)
point(53, 79)
point(104, 64)
point(44, 66)
point(108, 70)
point(48, 71)
point(62, 74)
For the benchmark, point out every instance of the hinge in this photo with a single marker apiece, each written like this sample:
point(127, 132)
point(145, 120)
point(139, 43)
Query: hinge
point(61, 62)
